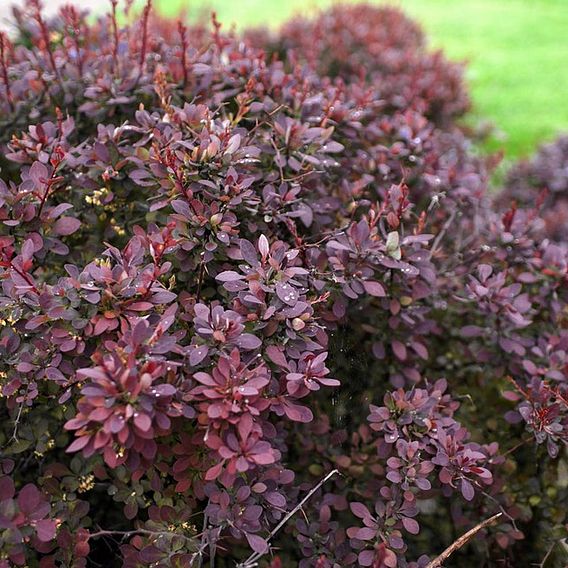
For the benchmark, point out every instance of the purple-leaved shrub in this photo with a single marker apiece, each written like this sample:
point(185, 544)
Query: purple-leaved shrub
point(232, 266)
point(379, 46)
point(542, 182)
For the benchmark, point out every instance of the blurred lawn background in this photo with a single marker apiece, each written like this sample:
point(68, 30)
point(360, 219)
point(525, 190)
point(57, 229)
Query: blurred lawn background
point(517, 53)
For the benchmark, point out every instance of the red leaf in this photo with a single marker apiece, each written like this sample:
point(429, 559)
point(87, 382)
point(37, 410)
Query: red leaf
point(214, 472)
point(78, 444)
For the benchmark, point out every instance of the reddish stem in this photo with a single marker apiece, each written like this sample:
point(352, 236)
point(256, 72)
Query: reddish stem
point(51, 181)
point(4, 46)
point(44, 35)
point(145, 19)
point(515, 384)
point(47, 43)
point(25, 276)
point(75, 22)
point(216, 31)
point(114, 36)
point(183, 35)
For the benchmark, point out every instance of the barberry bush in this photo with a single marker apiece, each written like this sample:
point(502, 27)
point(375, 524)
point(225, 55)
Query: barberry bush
point(259, 310)
point(541, 182)
point(382, 47)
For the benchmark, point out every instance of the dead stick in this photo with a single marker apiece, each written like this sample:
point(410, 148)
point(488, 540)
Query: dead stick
point(464, 539)
point(251, 561)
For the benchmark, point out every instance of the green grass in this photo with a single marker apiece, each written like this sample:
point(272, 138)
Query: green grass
point(517, 52)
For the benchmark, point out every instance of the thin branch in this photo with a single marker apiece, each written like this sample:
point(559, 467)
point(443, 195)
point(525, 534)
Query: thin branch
point(48, 184)
point(55, 162)
point(200, 280)
point(501, 508)
point(441, 234)
point(44, 32)
point(24, 275)
point(114, 36)
point(76, 19)
point(182, 30)
point(516, 447)
point(547, 555)
point(124, 534)
point(462, 540)
point(279, 162)
point(251, 561)
point(204, 543)
point(14, 437)
point(198, 555)
point(265, 120)
point(302, 503)
point(145, 23)
point(4, 47)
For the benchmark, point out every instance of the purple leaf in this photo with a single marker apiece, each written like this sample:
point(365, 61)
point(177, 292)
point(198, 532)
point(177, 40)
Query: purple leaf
point(257, 543)
point(359, 510)
point(39, 174)
point(366, 533)
point(164, 390)
point(248, 341)
point(366, 557)
point(65, 226)
point(467, 490)
point(276, 355)
point(248, 252)
point(410, 525)
point(29, 498)
point(142, 421)
point(229, 276)
point(7, 489)
point(197, 353)
point(374, 288)
point(287, 293)
point(399, 349)
point(46, 529)
point(298, 413)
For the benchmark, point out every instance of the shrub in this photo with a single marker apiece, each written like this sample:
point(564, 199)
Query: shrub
point(209, 257)
point(542, 182)
point(383, 47)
